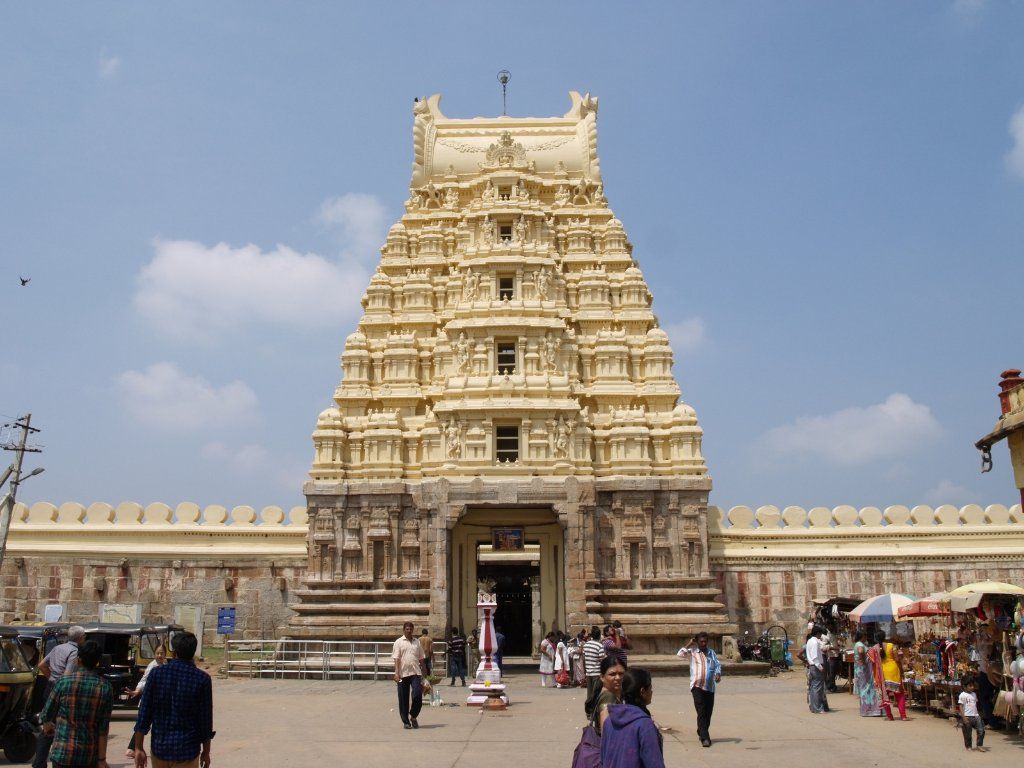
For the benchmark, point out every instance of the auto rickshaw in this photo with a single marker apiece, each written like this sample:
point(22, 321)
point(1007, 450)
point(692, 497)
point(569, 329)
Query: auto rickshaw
point(36, 641)
point(127, 651)
point(17, 677)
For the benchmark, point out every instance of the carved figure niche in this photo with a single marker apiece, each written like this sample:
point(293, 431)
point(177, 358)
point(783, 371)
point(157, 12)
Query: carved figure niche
point(410, 547)
point(379, 535)
point(634, 540)
point(352, 549)
point(662, 546)
point(324, 544)
point(606, 547)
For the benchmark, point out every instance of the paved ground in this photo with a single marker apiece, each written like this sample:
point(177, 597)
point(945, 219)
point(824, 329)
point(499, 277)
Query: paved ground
point(757, 722)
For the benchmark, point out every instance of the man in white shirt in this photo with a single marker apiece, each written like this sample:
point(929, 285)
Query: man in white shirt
point(815, 657)
point(409, 668)
point(705, 674)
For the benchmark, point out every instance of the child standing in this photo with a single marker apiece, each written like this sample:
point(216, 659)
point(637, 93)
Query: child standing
point(967, 704)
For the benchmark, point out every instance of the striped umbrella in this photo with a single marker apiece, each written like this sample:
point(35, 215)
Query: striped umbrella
point(880, 608)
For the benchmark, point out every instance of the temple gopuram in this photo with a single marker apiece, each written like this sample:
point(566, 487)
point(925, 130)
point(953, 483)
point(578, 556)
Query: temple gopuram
point(507, 415)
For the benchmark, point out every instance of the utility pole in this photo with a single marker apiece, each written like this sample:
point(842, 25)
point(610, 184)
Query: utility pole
point(7, 505)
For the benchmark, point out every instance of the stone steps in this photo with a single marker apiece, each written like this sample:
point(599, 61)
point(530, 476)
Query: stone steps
point(362, 596)
point(624, 608)
point(382, 608)
point(652, 593)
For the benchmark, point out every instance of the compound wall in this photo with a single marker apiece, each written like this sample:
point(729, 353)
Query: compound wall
point(772, 563)
point(769, 563)
point(155, 556)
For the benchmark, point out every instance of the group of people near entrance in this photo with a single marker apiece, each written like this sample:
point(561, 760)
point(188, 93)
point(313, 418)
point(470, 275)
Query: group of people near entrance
point(621, 730)
point(564, 658)
point(878, 681)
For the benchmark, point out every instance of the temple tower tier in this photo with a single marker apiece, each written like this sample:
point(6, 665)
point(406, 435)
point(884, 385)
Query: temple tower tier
point(507, 419)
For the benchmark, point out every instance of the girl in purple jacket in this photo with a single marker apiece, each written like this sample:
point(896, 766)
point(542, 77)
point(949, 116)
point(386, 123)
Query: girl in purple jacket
point(629, 738)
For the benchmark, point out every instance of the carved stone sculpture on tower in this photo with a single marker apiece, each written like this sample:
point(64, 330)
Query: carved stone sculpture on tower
point(462, 353)
point(453, 439)
point(520, 230)
point(542, 280)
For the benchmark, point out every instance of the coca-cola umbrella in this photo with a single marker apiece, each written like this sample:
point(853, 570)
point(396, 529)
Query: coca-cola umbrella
point(880, 608)
point(936, 604)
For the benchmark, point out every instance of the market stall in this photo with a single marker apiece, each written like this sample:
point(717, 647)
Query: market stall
point(974, 632)
point(833, 616)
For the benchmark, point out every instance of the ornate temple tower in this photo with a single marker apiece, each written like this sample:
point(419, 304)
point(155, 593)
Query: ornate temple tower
point(507, 411)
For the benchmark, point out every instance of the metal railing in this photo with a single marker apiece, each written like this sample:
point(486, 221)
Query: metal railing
point(319, 659)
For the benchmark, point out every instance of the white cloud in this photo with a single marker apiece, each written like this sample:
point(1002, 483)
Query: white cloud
point(361, 221)
point(252, 460)
point(969, 10)
point(108, 65)
point(853, 436)
point(164, 397)
point(948, 492)
point(247, 460)
point(1015, 157)
point(191, 291)
point(687, 335)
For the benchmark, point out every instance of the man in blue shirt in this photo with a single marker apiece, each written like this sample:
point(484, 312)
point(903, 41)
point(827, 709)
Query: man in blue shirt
point(177, 703)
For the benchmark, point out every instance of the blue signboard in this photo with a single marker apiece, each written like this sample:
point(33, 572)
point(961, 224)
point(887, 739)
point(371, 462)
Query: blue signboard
point(225, 621)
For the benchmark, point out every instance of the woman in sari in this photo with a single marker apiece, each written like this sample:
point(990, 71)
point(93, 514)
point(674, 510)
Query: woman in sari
point(875, 658)
point(864, 678)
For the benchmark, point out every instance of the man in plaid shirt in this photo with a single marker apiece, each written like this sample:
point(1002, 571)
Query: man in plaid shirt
point(80, 705)
point(177, 703)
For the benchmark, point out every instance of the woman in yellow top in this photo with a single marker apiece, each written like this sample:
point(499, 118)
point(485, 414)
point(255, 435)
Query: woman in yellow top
point(892, 672)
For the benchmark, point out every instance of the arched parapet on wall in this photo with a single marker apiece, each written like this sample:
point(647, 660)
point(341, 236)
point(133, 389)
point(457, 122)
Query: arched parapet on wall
point(157, 529)
point(769, 519)
point(866, 535)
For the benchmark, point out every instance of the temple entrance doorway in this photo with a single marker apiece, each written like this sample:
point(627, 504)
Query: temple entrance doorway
point(517, 589)
point(519, 552)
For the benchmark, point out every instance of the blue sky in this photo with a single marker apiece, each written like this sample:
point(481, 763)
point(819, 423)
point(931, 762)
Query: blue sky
point(826, 199)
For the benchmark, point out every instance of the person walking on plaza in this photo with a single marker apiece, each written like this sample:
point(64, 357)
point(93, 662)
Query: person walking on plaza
point(864, 678)
point(177, 705)
point(457, 656)
point(612, 646)
point(76, 715)
point(705, 673)
point(630, 738)
point(427, 642)
point(579, 672)
point(159, 658)
point(892, 672)
point(407, 654)
point(970, 720)
point(815, 658)
point(473, 644)
point(593, 654)
point(58, 662)
point(562, 677)
point(547, 659)
point(620, 633)
point(610, 692)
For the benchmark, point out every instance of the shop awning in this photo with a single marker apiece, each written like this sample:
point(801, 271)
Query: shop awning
point(970, 595)
point(1011, 422)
